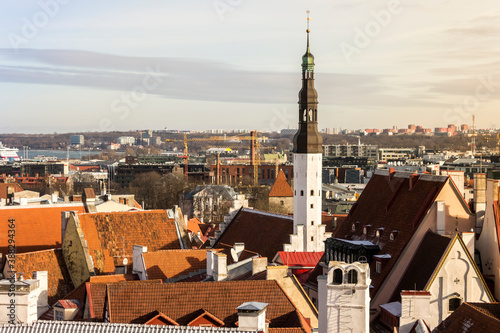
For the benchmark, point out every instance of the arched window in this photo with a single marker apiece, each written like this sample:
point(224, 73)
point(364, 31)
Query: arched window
point(310, 115)
point(337, 276)
point(305, 116)
point(302, 193)
point(312, 192)
point(352, 276)
point(454, 303)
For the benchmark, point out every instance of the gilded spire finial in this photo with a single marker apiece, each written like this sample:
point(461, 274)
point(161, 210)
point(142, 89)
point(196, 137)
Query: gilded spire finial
point(308, 19)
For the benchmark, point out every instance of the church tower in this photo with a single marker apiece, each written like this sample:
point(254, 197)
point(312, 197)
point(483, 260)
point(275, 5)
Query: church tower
point(309, 233)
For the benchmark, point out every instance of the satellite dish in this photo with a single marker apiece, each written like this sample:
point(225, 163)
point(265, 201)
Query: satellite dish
point(125, 262)
point(234, 255)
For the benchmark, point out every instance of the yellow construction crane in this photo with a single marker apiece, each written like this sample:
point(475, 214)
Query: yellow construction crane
point(254, 149)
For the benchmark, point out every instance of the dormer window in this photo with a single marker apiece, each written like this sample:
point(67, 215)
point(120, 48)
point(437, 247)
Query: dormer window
point(393, 235)
point(353, 228)
point(366, 229)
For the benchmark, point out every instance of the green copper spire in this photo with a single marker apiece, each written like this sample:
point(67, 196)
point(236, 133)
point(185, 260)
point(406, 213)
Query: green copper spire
point(308, 58)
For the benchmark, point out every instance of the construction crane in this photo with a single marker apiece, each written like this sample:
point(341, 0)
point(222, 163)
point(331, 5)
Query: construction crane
point(254, 150)
point(473, 140)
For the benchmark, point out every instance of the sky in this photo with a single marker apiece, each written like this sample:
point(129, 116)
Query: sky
point(68, 65)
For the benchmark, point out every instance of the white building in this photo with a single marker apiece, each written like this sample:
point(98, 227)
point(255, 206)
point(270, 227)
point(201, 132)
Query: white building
point(23, 301)
point(344, 298)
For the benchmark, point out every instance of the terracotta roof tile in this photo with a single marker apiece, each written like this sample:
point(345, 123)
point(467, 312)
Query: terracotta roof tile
point(109, 234)
point(168, 264)
point(262, 232)
point(36, 228)
point(52, 261)
point(472, 318)
point(67, 304)
point(132, 303)
point(78, 294)
point(389, 202)
point(96, 295)
point(281, 188)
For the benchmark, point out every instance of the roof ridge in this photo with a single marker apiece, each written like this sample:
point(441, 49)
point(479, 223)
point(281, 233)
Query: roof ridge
point(263, 212)
point(478, 308)
point(38, 251)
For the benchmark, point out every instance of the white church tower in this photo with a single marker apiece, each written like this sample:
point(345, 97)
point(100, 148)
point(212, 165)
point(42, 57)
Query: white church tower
point(344, 298)
point(309, 233)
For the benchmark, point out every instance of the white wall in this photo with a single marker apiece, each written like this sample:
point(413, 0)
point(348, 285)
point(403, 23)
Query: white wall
point(307, 207)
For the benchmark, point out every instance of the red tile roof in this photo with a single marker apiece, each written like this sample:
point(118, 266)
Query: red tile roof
point(132, 303)
point(108, 235)
point(78, 294)
point(52, 261)
point(301, 259)
point(67, 304)
point(96, 295)
point(168, 264)
point(281, 188)
point(36, 228)
point(472, 318)
point(389, 202)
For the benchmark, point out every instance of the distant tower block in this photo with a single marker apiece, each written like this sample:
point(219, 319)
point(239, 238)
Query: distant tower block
point(309, 233)
point(344, 298)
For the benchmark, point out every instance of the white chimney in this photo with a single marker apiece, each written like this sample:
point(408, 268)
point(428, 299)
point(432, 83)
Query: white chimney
point(415, 305)
point(252, 317)
point(138, 265)
point(259, 265)
point(54, 198)
point(479, 199)
point(43, 282)
point(220, 267)
point(210, 262)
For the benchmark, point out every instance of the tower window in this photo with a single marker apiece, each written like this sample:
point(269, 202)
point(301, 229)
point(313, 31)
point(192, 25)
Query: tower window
point(352, 276)
point(312, 205)
point(312, 238)
point(301, 193)
point(312, 192)
point(337, 276)
point(312, 222)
